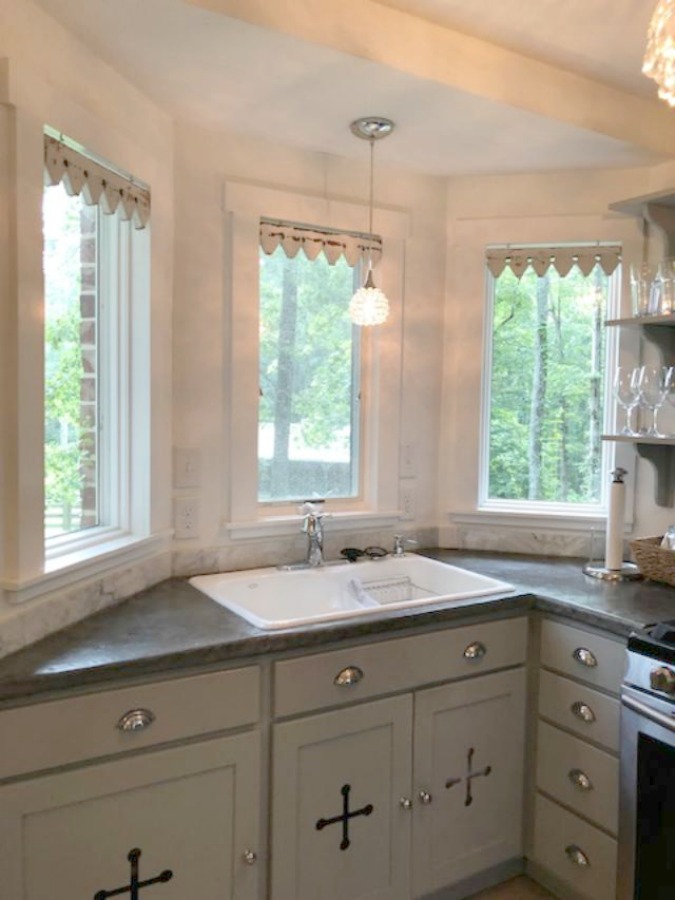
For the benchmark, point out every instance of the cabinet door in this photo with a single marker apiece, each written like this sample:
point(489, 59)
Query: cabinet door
point(468, 778)
point(192, 811)
point(338, 828)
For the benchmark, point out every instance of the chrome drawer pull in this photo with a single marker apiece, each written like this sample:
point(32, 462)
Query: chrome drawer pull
point(349, 676)
point(583, 711)
point(476, 650)
point(580, 780)
point(250, 857)
point(136, 720)
point(405, 803)
point(425, 797)
point(585, 658)
point(577, 856)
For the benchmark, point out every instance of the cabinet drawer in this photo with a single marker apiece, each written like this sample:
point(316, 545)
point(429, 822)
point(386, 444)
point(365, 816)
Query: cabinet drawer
point(559, 839)
point(53, 734)
point(584, 711)
point(343, 676)
point(580, 776)
point(597, 660)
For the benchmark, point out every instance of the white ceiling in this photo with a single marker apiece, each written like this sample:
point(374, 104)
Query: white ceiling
point(224, 72)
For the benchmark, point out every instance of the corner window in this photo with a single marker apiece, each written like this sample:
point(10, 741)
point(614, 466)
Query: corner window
point(546, 393)
point(309, 411)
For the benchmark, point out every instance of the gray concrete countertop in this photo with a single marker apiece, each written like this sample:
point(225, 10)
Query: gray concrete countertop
point(173, 627)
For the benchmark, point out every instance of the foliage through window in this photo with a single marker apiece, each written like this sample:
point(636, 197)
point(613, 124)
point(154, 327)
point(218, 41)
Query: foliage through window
point(547, 395)
point(308, 423)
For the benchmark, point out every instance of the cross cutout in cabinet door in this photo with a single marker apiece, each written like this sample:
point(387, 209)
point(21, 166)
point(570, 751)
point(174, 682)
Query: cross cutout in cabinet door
point(471, 774)
point(345, 817)
point(135, 885)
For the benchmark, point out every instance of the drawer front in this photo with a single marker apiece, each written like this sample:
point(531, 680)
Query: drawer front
point(343, 676)
point(586, 712)
point(53, 734)
point(597, 660)
point(563, 842)
point(578, 775)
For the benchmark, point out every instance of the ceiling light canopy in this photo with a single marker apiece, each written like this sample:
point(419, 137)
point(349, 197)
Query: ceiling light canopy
point(659, 61)
point(369, 305)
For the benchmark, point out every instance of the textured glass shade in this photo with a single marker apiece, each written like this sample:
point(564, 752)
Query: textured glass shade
point(659, 61)
point(369, 305)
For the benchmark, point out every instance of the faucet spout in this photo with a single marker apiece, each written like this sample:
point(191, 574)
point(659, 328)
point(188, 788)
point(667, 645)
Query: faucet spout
point(312, 526)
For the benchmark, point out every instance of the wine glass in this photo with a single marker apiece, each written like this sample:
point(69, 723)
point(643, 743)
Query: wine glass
point(653, 386)
point(627, 394)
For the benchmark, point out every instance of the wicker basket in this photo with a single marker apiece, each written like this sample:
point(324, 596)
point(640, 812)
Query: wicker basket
point(654, 561)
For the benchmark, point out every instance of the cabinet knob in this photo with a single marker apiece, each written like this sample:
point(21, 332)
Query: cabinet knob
point(136, 720)
point(585, 658)
point(425, 797)
point(250, 857)
point(580, 780)
point(405, 803)
point(476, 650)
point(577, 856)
point(349, 676)
point(583, 711)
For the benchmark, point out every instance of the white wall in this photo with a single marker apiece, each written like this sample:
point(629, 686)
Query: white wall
point(522, 209)
point(204, 162)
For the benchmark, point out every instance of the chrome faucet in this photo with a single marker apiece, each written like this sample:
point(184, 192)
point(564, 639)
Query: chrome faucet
point(312, 526)
point(400, 542)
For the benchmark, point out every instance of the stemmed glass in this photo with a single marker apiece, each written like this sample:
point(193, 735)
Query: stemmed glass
point(627, 393)
point(653, 386)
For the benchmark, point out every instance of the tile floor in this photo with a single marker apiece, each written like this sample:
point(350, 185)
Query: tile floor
point(520, 888)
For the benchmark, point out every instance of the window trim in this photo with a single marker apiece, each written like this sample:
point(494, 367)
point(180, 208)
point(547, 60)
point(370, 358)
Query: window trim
point(243, 516)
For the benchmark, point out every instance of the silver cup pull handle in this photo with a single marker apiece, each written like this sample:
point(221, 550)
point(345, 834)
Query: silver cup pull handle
point(136, 720)
point(475, 650)
point(425, 797)
point(405, 803)
point(348, 676)
point(585, 657)
point(583, 711)
point(577, 856)
point(580, 780)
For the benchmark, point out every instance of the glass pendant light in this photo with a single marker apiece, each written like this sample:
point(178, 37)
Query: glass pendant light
point(659, 61)
point(369, 305)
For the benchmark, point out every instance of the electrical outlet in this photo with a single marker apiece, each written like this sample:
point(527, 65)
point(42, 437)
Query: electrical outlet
point(186, 517)
point(187, 467)
point(407, 497)
point(408, 460)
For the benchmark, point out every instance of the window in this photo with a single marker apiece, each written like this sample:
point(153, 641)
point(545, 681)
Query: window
point(546, 389)
point(93, 264)
point(308, 426)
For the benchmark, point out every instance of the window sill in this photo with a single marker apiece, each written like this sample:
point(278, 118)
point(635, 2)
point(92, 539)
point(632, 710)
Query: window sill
point(553, 519)
point(85, 563)
point(273, 526)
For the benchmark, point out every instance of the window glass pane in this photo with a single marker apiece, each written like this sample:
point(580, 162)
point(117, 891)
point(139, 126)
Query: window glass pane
point(71, 362)
point(547, 386)
point(309, 379)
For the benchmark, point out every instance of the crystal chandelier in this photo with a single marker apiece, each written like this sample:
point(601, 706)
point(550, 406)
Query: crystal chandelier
point(659, 61)
point(369, 305)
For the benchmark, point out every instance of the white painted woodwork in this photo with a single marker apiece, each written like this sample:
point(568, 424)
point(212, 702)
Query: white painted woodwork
point(558, 695)
point(193, 810)
point(453, 841)
point(48, 735)
point(558, 643)
point(308, 682)
point(369, 748)
point(556, 829)
point(560, 754)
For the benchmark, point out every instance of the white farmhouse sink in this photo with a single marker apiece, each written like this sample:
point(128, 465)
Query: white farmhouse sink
point(270, 598)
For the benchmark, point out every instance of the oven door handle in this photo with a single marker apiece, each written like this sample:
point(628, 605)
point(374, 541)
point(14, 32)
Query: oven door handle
point(649, 713)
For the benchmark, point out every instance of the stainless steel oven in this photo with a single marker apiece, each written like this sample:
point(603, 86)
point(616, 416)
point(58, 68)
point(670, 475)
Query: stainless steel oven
point(647, 799)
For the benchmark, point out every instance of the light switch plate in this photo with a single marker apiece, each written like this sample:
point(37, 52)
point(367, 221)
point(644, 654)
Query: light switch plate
point(187, 467)
point(408, 460)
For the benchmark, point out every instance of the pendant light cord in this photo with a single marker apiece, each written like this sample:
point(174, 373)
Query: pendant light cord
point(372, 170)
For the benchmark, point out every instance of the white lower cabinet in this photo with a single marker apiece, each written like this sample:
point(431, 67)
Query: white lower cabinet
point(395, 798)
point(191, 811)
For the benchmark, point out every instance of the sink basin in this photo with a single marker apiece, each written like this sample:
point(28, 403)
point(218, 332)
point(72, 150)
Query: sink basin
point(270, 598)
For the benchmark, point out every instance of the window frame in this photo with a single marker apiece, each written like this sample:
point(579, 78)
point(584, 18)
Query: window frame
point(536, 508)
point(243, 516)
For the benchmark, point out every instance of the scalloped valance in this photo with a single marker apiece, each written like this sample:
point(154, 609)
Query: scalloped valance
point(562, 259)
point(98, 185)
point(313, 241)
